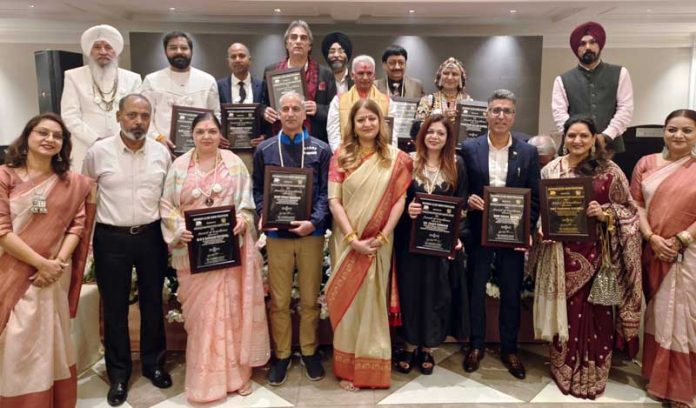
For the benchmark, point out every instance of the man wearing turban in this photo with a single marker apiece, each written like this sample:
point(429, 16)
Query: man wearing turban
point(91, 93)
point(337, 50)
point(594, 88)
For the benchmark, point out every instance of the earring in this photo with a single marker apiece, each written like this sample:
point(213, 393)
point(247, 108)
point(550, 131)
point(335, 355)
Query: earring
point(665, 153)
point(593, 149)
point(59, 158)
point(564, 150)
point(693, 151)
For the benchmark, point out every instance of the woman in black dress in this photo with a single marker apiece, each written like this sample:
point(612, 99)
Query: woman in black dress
point(432, 290)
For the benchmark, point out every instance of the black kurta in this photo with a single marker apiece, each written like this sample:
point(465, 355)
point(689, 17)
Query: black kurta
point(432, 290)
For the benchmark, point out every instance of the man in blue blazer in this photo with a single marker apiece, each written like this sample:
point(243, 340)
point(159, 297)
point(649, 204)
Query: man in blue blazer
point(240, 87)
point(497, 159)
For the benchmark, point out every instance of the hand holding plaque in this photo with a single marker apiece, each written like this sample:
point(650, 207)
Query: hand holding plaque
point(280, 82)
point(563, 209)
point(180, 132)
point(287, 196)
point(436, 230)
point(506, 217)
point(214, 245)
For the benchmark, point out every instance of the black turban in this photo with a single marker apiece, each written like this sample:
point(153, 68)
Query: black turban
point(336, 38)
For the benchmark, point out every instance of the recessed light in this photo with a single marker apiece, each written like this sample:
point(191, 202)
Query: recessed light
point(32, 6)
point(513, 11)
point(649, 10)
point(172, 8)
point(412, 11)
point(276, 10)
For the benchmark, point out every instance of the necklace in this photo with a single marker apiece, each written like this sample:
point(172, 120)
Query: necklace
point(280, 152)
point(430, 181)
point(38, 201)
point(105, 99)
point(215, 188)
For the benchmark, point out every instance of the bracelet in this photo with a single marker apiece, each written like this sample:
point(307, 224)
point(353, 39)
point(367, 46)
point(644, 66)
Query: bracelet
point(649, 237)
point(350, 237)
point(685, 238)
point(382, 238)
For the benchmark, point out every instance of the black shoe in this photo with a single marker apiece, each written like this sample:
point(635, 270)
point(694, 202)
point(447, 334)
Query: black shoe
point(473, 360)
point(405, 360)
point(159, 378)
point(514, 365)
point(313, 368)
point(279, 371)
point(118, 392)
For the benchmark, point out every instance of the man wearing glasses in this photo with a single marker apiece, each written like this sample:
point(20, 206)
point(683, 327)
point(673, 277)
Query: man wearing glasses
point(397, 84)
point(320, 85)
point(499, 160)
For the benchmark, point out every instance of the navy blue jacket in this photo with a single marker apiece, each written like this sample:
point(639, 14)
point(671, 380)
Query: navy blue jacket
point(523, 172)
point(317, 157)
point(224, 89)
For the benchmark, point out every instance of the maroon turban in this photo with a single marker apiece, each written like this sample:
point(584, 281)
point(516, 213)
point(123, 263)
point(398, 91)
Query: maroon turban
point(589, 28)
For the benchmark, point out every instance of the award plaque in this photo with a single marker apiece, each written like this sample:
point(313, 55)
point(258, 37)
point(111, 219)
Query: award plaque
point(563, 209)
point(181, 132)
point(241, 122)
point(471, 119)
point(214, 245)
point(506, 217)
point(404, 114)
point(436, 230)
point(287, 196)
point(283, 81)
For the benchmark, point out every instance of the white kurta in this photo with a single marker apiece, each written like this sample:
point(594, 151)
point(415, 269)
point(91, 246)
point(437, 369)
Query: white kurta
point(85, 120)
point(166, 88)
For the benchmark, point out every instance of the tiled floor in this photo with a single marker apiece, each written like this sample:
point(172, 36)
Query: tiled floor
point(448, 386)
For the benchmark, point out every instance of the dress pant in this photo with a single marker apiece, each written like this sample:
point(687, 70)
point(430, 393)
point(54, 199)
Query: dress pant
point(284, 255)
point(115, 254)
point(509, 270)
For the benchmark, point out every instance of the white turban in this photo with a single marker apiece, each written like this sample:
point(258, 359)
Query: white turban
point(101, 33)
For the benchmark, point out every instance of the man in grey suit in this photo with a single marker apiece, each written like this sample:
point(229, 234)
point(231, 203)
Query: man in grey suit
point(397, 83)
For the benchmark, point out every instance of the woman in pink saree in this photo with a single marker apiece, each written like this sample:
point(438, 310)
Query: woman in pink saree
point(582, 331)
point(368, 179)
point(46, 214)
point(664, 189)
point(224, 312)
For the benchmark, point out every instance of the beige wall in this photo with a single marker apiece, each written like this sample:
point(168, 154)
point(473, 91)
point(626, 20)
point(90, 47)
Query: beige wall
point(660, 79)
point(18, 88)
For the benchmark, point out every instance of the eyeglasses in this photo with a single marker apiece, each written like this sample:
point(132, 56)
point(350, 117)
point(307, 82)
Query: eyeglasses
point(504, 111)
point(45, 133)
point(301, 37)
point(394, 63)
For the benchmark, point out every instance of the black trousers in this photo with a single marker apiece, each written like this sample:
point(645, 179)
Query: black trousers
point(509, 266)
point(115, 254)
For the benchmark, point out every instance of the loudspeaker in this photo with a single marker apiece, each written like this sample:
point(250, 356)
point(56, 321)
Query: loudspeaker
point(50, 68)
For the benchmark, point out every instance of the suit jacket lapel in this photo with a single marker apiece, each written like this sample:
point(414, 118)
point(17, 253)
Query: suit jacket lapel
point(256, 84)
point(227, 89)
point(513, 163)
point(483, 159)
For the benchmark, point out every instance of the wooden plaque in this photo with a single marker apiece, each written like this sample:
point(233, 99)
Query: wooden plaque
point(506, 217)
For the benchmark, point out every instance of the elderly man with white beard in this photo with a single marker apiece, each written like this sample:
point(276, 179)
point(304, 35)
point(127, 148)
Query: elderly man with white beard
point(91, 93)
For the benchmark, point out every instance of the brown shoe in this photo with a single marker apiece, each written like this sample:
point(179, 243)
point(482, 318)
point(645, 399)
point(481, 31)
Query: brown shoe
point(473, 359)
point(514, 365)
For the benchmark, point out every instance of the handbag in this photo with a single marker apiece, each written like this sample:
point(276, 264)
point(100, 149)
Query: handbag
point(605, 288)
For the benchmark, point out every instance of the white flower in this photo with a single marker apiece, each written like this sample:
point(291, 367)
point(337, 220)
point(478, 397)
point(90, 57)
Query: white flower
point(175, 315)
point(492, 290)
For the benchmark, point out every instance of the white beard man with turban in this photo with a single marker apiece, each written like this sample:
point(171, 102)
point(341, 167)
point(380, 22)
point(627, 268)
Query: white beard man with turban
point(91, 93)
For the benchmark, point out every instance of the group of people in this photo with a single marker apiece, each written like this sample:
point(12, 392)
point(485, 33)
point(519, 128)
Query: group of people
point(133, 197)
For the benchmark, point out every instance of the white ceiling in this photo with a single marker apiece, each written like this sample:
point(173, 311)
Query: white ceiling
point(637, 23)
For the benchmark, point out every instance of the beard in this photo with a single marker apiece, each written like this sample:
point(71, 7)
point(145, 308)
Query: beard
point(589, 57)
point(179, 61)
point(338, 65)
point(104, 76)
point(134, 134)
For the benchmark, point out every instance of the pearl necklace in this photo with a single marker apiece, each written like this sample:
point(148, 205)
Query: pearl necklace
point(431, 183)
point(216, 188)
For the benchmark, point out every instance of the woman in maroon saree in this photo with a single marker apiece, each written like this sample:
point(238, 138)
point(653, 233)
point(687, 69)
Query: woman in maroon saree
point(582, 333)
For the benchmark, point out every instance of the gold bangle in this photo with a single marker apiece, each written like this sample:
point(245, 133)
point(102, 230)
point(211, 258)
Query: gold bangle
point(382, 238)
point(350, 237)
point(685, 238)
point(160, 138)
point(649, 237)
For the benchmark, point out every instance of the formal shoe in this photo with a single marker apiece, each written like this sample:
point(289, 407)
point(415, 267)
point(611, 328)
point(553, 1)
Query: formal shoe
point(426, 362)
point(159, 378)
point(118, 392)
point(313, 368)
point(405, 360)
point(473, 359)
point(279, 371)
point(514, 365)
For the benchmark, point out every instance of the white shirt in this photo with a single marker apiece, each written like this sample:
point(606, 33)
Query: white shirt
point(498, 162)
point(166, 88)
point(333, 124)
point(247, 87)
point(129, 183)
point(342, 84)
point(85, 120)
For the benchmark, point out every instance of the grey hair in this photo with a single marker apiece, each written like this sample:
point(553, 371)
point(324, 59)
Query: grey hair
point(364, 59)
point(503, 94)
point(128, 97)
point(287, 95)
point(544, 144)
point(299, 23)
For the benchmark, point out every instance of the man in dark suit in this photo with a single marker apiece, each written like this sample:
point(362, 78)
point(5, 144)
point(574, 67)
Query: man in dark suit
point(497, 159)
point(320, 85)
point(240, 87)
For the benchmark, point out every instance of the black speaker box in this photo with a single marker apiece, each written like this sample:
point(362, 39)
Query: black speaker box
point(50, 68)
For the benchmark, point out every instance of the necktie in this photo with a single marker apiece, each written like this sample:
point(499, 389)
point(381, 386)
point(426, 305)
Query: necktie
point(242, 92)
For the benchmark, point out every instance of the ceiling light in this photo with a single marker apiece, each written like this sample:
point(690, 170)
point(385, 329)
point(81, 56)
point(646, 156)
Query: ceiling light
point(276, 10)
point(172, 8)
point(32, 6)
point(649, 10)
point(412, 11)
point(513, 11)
